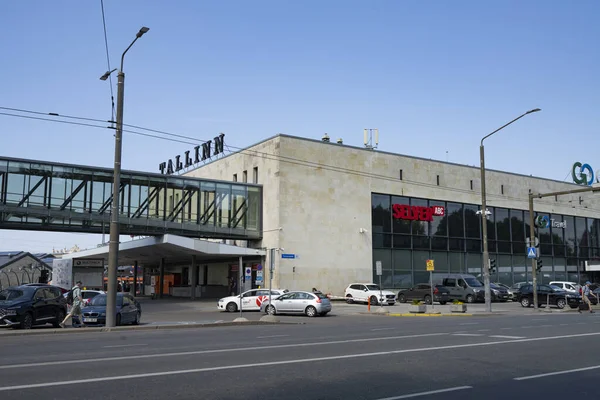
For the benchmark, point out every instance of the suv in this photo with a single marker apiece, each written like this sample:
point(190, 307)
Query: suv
point(567, 286)
point(546, 294)
point(368, 293)
point(25, 306)
point(441, 294)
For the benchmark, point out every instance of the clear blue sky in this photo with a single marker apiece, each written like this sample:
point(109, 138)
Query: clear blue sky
point(433, 76)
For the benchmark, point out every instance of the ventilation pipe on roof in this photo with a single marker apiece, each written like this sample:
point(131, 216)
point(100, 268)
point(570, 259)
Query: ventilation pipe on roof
point(325, 138)
point(340, 141)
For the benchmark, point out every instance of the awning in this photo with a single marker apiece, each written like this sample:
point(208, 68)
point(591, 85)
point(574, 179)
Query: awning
point(174, 249)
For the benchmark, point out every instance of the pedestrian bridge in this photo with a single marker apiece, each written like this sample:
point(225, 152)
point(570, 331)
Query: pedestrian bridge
point(43, 196)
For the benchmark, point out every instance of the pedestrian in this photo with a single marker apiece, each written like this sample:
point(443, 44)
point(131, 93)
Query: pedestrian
point(586, 293)
point(77, 301)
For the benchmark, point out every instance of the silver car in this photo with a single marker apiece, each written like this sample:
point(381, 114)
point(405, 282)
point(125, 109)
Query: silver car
point(311, 304)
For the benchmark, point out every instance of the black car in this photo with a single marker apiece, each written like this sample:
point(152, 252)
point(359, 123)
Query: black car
point(25, 306)
point(441, 294)
point(545, 294)
point(498, 293)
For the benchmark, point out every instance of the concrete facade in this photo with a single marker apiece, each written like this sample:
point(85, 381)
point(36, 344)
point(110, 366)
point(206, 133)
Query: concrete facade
point(319, 194)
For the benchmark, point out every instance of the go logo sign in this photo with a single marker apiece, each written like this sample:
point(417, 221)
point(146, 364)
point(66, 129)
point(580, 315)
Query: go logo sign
point(583, 174)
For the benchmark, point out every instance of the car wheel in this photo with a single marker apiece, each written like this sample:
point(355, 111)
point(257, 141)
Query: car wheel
point(442, 303)
point(525, 302)
point(311, 311)
point(374, 301)
point(231, 307)
point(401, 298)
point(349, 299)
point(60, 315)
point(138, 317)
point(470, 299)
point(427, 299)
point(271, 310)
point(118, 322)
point(26, 321)
point(561, 303)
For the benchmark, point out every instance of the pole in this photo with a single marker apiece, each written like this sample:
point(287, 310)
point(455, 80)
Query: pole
point(431, 283)
point(532, 242)
point(113, 249)
point(242, 278)
point(380, 293)
point(486, 256)
point(271, 269)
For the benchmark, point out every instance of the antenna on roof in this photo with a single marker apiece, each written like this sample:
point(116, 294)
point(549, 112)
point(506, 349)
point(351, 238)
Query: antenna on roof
point(371, 137)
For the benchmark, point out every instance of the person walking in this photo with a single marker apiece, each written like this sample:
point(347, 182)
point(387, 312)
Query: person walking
point(77, 300)
point(585, 294)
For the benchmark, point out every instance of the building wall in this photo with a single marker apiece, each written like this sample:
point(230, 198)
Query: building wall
point(320, 194)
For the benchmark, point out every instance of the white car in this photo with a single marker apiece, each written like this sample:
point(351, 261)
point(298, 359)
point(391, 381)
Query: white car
point(571, 287)
point(87, 295)
point(251, 300)
point(363, 292)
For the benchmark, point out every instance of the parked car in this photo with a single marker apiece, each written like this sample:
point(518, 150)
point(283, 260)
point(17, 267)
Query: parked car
point(128, 310)
point(568, 286)
point(311, 304)
point(512, 294)
point(461, 286)
point(545, 293)
point(369, 292)
point(498, 293)
point(251, 299)
point(87, 295)
point(62, 290)
point(422, 292)
point(25, 306)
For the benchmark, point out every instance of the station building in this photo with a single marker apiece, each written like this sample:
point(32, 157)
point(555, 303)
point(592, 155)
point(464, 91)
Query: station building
point(330, 211)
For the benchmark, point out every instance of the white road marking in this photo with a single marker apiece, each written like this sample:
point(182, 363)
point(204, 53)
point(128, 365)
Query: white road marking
point(297, 361)
point(483, 330)
point(505, 328)
point(470, 323)
point(507, 337)
point(408, 396)
point(271, 336)
point(468, 334)
point(124, 345)
point(539, 319)
point(524, 378)
point(525, 327)
point(382, 329)
point(186, 353)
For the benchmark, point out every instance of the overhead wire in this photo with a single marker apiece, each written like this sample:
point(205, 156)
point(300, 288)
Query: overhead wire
point(112, 97)
point(265, 155)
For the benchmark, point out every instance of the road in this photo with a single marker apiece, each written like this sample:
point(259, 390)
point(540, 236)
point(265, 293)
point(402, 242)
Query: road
point(346, 357)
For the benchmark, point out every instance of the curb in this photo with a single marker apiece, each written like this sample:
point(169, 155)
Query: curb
point(139, 328)
point(436, 314)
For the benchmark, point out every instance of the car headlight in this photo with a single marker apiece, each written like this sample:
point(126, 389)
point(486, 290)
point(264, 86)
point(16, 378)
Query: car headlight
point(103, 314)
point(221, 300)
point(495, 291)
point(477, 290)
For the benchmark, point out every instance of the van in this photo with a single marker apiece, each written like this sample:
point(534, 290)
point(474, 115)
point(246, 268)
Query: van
point(567, 286)
point(461, 286)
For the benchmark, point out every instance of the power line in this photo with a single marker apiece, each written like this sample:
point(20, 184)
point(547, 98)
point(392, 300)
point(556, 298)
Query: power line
point(112, 97)
point(268, 156)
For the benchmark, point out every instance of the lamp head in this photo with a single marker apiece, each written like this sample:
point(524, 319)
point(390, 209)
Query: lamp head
point(534, 110)
point(142, 31)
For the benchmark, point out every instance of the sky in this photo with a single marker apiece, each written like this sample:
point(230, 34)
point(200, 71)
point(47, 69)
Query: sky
point(433, 76)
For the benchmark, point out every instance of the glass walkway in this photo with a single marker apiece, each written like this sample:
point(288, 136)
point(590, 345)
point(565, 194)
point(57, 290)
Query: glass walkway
point(37, 195)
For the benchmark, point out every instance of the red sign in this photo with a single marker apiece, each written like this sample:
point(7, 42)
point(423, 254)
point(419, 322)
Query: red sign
point(417, 213)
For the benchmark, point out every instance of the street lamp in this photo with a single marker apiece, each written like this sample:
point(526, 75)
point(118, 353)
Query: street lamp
point(486, 255)
point(113, 249)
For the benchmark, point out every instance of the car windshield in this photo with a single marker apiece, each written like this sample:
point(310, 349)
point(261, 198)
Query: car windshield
point(320, 295)
point(100, 300)
point(12, 294)
point(473, 282)
point(372, 287)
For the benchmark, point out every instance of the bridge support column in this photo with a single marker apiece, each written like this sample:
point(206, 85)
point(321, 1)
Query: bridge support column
point(194, 278)
point(133, 289)
point(161, 283)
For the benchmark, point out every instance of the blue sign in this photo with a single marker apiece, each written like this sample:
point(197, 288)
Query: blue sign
point(259, 267)
point(259, 278)
point(531, 253)
point(288, 255)
point(248, 272)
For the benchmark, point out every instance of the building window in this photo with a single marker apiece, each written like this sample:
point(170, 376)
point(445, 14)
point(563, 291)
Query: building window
point(502, 189)
point(471, 184)
point(438, 180)
point(255, 175)
point(235, 177)
point(245, 176)
point(455, 220)
point(381, 213)
point(400, 174)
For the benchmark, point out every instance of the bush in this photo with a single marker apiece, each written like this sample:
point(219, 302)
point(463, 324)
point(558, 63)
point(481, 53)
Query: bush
point(416, 302)
point(457, 302)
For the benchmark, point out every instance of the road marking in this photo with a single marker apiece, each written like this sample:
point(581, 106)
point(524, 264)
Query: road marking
point(483, 330)
point(278, 346)
point(524, 378)
point(470, 323)
point(528, 326)
point(271, 336)
point(505, 328)
point(382, 329)
point(468, 334)
point(124, 345)
point(408, 396)
point(539, 319)
point(507, 337)
point(296, 361)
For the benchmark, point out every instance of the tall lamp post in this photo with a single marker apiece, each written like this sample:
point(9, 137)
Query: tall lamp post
point(486, 254)
point(113, 249)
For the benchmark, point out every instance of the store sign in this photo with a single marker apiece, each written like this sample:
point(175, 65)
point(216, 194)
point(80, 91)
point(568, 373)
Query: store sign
point(583, 174)
point(543, 221)
point(169, 167)
point(417, 213)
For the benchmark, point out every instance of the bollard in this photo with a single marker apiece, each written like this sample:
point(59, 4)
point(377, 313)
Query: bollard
point(369, 304)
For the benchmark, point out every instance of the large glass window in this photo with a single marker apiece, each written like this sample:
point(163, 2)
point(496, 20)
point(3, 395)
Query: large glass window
point(402, 269)
point(381, 213)
point(455, 220)
point(456, 262)
point(472, 222)
point(439, 225)
point(581, 232)
point(502, 224)
point(473, 263)
point(570, 238)
point(420, 260)
point(440, 259)
point(517, 226)
point(383, 255)
point(400, 225)
point(491, 223)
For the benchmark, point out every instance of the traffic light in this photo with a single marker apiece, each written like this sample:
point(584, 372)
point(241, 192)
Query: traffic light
point(539, 266)
point(492, 266)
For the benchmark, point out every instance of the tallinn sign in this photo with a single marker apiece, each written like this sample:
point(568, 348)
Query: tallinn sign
point(200, 153)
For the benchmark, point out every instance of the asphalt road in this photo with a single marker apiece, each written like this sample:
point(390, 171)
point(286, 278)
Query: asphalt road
point(351, 357)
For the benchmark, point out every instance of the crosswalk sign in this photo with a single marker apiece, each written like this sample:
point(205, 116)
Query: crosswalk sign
point(531, 253)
